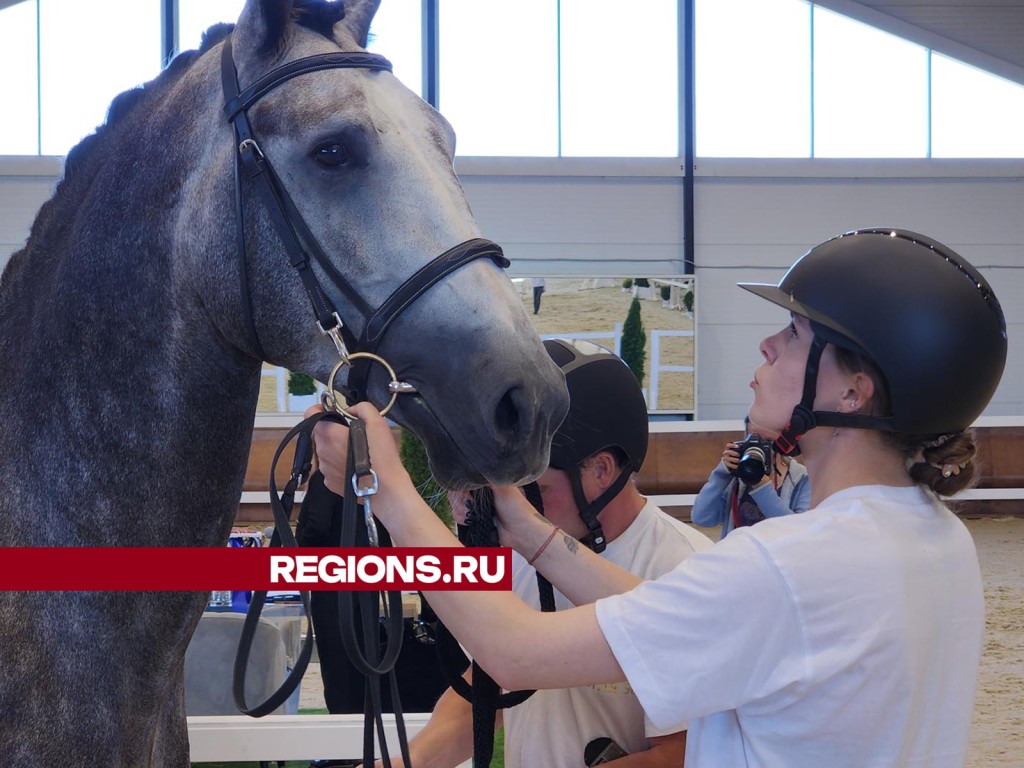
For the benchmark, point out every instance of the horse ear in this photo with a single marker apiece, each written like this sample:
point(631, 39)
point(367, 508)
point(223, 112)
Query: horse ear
point(260, 26)
point(358, 15)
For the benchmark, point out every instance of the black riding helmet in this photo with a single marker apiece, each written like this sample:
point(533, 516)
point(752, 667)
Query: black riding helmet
point(606, 410)
point(927, 319)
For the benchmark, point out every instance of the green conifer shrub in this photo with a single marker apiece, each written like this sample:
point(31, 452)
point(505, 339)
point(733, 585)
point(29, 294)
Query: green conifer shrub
point(634, 340)
point(414, 458)
point(301, 384)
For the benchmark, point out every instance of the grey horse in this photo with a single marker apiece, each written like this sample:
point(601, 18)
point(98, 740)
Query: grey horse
point(131, 373)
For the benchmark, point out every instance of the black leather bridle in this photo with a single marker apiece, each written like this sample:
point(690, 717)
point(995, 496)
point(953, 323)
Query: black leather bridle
point(300, 244)
point(358, 353)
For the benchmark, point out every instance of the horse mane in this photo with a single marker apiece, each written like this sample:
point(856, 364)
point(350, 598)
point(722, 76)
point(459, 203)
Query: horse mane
point(317, 15)
point(81, 159)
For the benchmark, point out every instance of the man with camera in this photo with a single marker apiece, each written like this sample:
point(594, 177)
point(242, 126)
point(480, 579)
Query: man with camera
point(750, 483)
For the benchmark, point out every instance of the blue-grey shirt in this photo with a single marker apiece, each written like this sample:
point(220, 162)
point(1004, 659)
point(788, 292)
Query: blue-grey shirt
point(711, 506)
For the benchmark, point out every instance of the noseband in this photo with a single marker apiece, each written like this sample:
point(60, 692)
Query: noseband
point(299, 241)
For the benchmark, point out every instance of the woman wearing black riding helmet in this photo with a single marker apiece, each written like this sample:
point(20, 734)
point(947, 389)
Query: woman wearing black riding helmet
point(846, 636)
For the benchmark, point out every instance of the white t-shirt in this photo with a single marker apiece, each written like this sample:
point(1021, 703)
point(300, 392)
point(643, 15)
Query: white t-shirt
point(847, 637)
point(552, 728)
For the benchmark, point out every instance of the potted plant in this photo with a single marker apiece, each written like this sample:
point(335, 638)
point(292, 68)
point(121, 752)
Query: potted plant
point(642, 288)
point(301, 391)
point(666, 295)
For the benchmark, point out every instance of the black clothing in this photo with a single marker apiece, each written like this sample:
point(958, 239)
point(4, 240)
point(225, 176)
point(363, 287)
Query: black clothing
point(420, 679)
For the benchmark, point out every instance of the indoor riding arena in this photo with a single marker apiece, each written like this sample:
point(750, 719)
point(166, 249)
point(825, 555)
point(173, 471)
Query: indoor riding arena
point(228, 226)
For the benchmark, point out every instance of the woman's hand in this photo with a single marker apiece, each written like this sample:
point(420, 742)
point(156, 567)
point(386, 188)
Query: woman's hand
point(520, 526)
point(395, 488)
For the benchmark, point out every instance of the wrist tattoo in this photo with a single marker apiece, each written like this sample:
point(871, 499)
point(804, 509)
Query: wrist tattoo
point(571, 544)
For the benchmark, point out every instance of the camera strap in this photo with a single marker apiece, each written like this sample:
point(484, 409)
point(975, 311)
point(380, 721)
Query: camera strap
point(734, 504)
point(743, 509)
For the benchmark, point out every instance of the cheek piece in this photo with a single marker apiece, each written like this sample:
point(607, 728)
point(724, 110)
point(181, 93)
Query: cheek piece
point(804, 418)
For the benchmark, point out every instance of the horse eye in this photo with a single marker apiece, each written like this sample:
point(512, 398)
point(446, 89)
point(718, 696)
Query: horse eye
point(332, 154)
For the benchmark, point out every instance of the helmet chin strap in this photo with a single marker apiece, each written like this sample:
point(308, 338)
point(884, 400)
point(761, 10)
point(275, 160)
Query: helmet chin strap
point(804, 418)
point(589, 511)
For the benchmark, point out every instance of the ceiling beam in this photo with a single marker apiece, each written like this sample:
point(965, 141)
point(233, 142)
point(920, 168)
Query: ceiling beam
point(927, 38)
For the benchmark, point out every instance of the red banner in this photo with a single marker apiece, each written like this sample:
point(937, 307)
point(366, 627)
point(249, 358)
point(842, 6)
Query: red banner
point(253, 568)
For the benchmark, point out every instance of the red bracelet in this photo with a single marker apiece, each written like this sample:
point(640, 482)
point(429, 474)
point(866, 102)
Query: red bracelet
point(543, 546)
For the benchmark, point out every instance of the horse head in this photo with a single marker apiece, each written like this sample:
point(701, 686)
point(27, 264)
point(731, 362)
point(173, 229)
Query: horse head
point(368, 167)
point(134, 324)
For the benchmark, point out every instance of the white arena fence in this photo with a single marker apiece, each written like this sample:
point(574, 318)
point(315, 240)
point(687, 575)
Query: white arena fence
point(611, 339)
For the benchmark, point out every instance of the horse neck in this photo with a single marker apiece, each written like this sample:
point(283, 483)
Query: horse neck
point(115, 377)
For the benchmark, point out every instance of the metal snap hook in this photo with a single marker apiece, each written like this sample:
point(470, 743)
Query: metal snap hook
point(334, 332)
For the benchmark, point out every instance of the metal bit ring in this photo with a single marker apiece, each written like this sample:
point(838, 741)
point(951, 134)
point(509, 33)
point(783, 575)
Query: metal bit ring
point(333, 399)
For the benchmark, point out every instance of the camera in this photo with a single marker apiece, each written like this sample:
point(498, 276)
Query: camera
point(755, 458)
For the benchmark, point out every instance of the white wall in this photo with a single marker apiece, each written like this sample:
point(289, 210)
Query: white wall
point(753, 219)
point(25, 184)
point(580, 216)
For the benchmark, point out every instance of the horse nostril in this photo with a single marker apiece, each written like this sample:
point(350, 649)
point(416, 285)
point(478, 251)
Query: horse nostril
point(506, 414)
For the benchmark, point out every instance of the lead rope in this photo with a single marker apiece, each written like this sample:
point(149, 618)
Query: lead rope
point(485, 695)
point(372, 661)
point(369, 658)
point(281, 506)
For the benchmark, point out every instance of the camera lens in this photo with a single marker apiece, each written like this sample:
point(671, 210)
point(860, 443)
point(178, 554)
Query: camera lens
point(753, 465)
